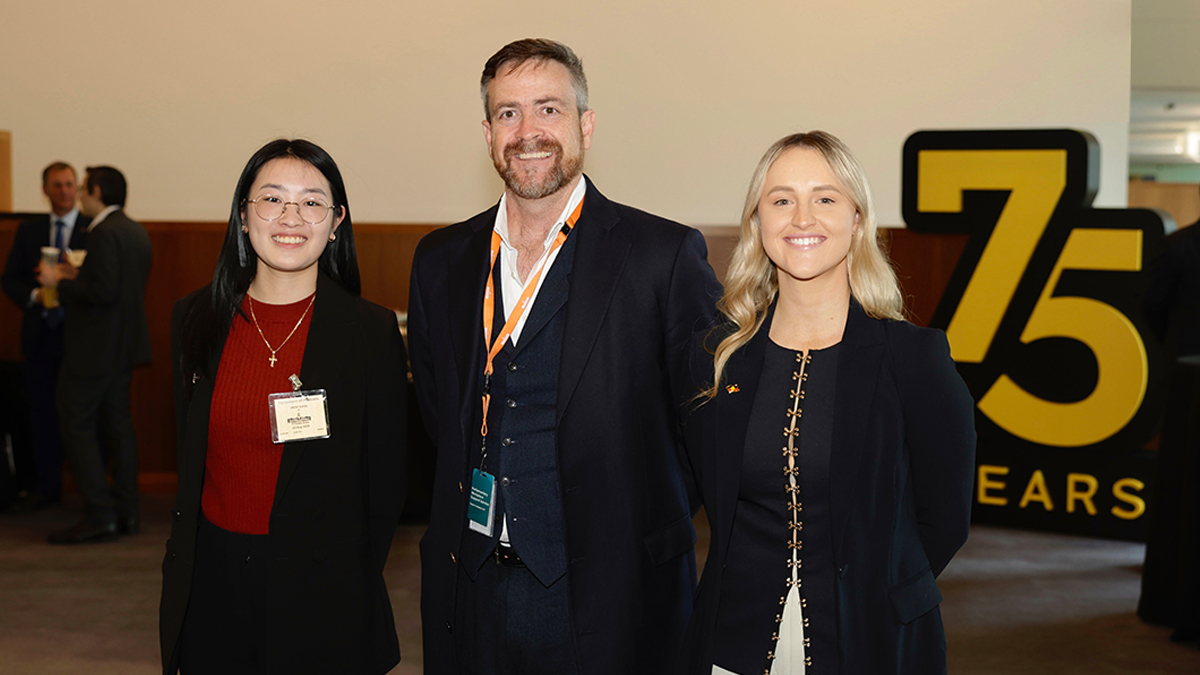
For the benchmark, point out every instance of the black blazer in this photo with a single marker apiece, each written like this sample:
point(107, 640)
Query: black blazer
point(20, 271)
point(1172, 300)
point(105, 329)
point(337, 500)
point(639, 287)
point(901, 473)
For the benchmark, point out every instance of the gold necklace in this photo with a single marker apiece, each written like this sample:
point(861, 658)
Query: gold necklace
point(289, 335)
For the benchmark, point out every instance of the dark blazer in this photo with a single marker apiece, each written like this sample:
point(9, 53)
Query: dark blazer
point(337, 500)
point(640, 286)
point(901, 474)
point(105, 325)
point(20, 271)
point(1172, 300)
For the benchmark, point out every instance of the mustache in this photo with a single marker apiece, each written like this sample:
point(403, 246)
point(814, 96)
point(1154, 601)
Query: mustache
point(520, 147)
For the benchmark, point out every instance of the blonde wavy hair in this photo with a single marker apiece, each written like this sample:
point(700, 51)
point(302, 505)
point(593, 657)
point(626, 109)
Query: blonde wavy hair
point(752, 282)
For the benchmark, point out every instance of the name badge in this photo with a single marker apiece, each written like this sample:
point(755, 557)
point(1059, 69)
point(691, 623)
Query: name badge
point(481, 507)
point(299, 415)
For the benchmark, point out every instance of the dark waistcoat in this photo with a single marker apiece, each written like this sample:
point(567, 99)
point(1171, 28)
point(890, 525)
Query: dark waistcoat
point(522, 449)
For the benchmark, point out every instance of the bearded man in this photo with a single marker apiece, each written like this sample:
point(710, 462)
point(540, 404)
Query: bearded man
point(548, 337)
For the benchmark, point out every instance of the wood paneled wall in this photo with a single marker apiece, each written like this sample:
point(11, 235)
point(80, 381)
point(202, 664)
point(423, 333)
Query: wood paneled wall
point(1181, 200)
point(185, 253)
point(5, 171)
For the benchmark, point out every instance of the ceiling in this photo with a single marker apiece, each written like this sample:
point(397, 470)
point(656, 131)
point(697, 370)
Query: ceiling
point(1164, 127)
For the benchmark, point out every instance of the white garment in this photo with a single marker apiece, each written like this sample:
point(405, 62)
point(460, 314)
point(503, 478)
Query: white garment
point(789, 650)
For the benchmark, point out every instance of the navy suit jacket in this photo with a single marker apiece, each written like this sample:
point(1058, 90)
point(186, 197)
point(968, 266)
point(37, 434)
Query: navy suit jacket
point(640, 286)
point(20, 272)
point(900, 493)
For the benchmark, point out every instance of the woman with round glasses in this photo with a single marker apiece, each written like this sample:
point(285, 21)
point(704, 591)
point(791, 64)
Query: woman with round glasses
point(832, 444)
point(290, 399)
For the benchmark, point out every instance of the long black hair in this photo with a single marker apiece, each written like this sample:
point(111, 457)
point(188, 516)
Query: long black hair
point(211, 315)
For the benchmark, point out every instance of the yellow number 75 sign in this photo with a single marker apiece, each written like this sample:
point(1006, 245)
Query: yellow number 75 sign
point(1042, 310)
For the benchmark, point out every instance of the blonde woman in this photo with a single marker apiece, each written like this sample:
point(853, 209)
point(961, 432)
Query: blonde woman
point(833, 443)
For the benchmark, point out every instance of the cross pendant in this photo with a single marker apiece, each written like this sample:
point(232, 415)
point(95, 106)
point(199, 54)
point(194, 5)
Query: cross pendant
point(272, 359)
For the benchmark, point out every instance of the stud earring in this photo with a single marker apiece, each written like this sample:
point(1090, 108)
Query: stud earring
point(332, 236)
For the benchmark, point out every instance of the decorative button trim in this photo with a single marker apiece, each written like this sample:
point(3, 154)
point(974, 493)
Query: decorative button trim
point(794, 491)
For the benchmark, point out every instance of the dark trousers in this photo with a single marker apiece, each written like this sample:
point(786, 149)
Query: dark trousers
point(224, 619)
point(15, 427)
point(41, 376)
point(512, 624)
point(91, 411)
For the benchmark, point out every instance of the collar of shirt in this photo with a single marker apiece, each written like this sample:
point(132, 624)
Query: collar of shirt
point(68, 219)
point(511, 286)
point(506, 246)
point(108, 210)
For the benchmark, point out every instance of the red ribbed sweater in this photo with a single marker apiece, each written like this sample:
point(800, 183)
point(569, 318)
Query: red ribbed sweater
point(242, 464)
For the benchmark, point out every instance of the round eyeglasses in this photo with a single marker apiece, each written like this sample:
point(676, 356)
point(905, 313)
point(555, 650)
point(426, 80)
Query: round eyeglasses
point(271, 208)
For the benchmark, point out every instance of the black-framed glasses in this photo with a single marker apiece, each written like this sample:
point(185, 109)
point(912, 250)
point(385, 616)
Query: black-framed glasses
point(311, 210)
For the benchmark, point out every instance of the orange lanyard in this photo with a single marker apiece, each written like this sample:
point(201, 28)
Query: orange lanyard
point(489, 309)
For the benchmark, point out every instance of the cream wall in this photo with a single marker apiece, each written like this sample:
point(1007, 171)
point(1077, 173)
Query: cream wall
point(687, 94)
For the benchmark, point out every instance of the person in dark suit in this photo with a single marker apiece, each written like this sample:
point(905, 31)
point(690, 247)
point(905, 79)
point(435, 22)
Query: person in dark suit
point(832, 442)
point(42, 333)
point(105, 337)
point(1172, 300)
point(290, 393)
point(560, 539)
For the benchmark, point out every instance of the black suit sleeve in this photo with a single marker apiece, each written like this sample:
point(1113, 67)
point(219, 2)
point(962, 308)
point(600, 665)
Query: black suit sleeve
point(939, 430)
point(424, 381)
point(386, 433)
point(691, 309)
point(18, 278)
point(179, 381)
point(99, 280)
point(1164, 273)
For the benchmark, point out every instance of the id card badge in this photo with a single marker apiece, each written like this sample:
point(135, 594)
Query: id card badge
point(481, 507)
point(299, 415)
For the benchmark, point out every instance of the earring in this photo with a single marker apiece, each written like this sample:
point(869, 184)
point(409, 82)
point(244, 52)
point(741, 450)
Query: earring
point(245, 230)
point(332, 236)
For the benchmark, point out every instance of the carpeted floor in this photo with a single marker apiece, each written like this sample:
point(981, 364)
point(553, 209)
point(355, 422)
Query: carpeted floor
point(1016, 602)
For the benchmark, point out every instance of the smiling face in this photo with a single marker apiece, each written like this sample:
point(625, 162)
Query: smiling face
point(59, 187)
point(288, 245)
point(807, 219)
point(536, 136)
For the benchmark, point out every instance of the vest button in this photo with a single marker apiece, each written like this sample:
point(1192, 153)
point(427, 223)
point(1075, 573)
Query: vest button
point(505, 481)
point(506, 442)
point(512, 366)
point(510, 403)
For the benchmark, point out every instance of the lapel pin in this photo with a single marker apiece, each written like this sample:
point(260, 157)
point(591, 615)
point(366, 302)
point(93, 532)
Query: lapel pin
point(732, 388)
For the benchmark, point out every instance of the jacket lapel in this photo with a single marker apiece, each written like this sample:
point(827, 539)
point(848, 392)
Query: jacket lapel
point(742, 372)
point(599, 260)
point(552, 295)
point(467, 271)
point(859, 362)
point(324, 351)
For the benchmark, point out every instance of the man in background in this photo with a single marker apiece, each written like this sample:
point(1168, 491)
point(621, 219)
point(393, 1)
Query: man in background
point(106, 336)
point(39, 477)
point(1172, 300)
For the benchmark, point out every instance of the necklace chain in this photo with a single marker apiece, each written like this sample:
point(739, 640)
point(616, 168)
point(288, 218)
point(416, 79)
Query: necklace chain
point(250, 301)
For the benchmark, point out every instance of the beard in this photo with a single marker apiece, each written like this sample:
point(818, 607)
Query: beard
point(526, 186)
